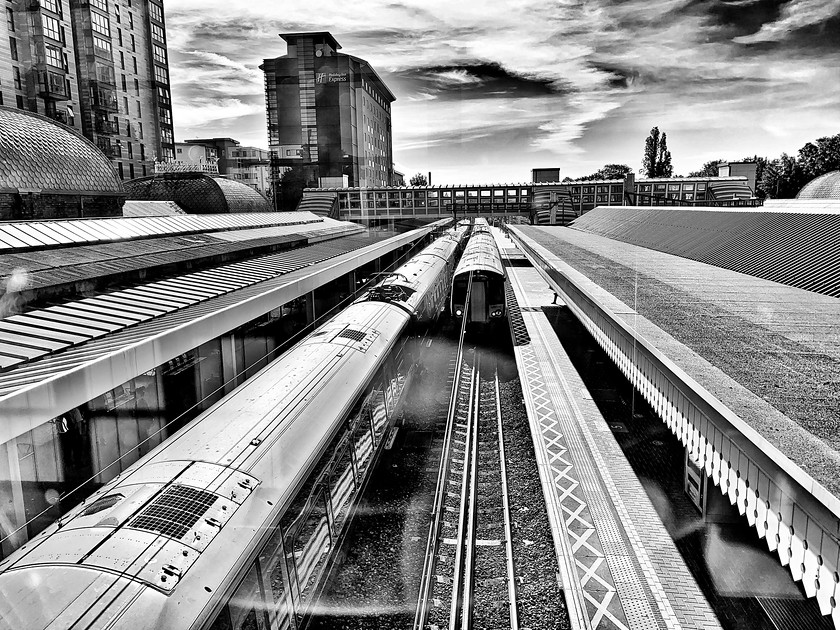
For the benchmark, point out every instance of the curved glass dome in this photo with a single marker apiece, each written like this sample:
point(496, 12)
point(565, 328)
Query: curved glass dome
point(198, 193)
point(39, 154)
point(825, 186)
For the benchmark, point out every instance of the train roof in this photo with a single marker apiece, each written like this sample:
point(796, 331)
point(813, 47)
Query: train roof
point(481, 255)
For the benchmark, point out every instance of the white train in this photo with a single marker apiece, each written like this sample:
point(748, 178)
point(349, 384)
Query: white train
point(487, 298)
point(230, 523)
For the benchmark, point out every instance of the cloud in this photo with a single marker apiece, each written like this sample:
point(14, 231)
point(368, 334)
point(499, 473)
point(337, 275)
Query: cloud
point(573, 82)
point(795, 15)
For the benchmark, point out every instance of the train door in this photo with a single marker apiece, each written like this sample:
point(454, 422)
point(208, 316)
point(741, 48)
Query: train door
point(478, 301)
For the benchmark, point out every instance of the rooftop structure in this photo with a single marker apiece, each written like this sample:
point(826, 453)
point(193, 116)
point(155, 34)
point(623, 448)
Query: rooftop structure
point(825, 186)
point(198, 193)
point(48, 171)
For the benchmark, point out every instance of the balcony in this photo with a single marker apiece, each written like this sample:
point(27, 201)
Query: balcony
point(52, 85)
point(58, 116)
point(106, 147)
point(106, 127)
point(104, 98)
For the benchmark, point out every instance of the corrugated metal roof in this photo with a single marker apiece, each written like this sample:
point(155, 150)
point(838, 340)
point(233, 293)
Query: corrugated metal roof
point(40, 332)
point(794, 248)
point(85, 339)
point(39, 234)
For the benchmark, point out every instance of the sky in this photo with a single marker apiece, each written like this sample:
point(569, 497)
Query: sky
point(488, 90)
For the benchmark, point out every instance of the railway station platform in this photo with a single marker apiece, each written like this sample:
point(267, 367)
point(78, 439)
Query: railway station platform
point(619, 567)
point(741, 369)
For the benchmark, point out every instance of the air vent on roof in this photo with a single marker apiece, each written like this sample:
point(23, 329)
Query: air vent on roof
point(102, 504)
point(174, 511)
point(355, 335)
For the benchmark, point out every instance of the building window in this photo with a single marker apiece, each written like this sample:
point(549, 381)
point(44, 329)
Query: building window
point(101, 45)
point(130, 150)
point(51, 5)
point(157, 33)
point(134, 59)
point(165, 115)
point(136, 87)
point(133, 47)
point(52, 28)
point(142, 151)
point(122, 61)
point(143, 166)
point(99, 23)
point(10, 20)
point(13, 48)
point(159, 53)
point(119, 36)
point(16, 74)
point(140, 130)
point(123, 84)
point(155, 12)
point(120, 169)
point(166, 137)
point(131, 171)
point(128, 133)
point(139, 111)
point(102, 5)
point(54, 56)
point(161, 75)
point(131, 25)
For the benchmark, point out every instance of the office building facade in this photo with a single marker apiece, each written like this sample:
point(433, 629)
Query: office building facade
point(100, 67)
point(329, 113)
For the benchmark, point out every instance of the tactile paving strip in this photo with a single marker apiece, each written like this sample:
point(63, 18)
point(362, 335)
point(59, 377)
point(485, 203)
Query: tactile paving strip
point(618, 581)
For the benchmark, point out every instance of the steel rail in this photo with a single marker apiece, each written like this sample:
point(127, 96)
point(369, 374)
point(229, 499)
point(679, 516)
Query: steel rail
point(433, 540)
point(514, 617)
point(462, 581)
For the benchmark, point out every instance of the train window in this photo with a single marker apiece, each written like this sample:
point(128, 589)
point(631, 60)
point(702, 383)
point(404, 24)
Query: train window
point(362, 435)
point(312, 544)
point(485, 194)
point(447, 194)
point(459, 193)
point(472, 193)
point(524, 192)
point(342, 485)
point(247, 606)
point(498, 192)
point(275, 581)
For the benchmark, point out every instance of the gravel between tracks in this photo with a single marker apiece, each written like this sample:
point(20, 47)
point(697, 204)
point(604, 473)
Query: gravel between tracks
point(540, 598)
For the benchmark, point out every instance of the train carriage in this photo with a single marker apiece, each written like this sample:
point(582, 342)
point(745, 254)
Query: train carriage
point(232, 521)
point(483, 262)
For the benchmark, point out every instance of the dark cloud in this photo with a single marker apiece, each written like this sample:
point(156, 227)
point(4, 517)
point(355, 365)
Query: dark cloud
point(475, 80)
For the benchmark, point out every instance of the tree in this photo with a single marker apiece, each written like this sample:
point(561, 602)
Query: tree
point(418, 180)
point(710, 169)
point(609, 171)
point(783, 178)
point(657, 158)
point(821, 157)
point(291, 186)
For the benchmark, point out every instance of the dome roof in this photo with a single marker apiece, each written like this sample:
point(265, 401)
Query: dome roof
point(198, 193)
point(38, 153)
point(823, 187)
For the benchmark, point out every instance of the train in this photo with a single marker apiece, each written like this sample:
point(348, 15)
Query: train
point(482, 261)
point(231, 522)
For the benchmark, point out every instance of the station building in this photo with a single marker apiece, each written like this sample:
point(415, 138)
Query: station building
point(328, 112)
point(550, 202)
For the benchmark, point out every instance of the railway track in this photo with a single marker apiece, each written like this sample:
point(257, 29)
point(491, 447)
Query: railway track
point(468, 578)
